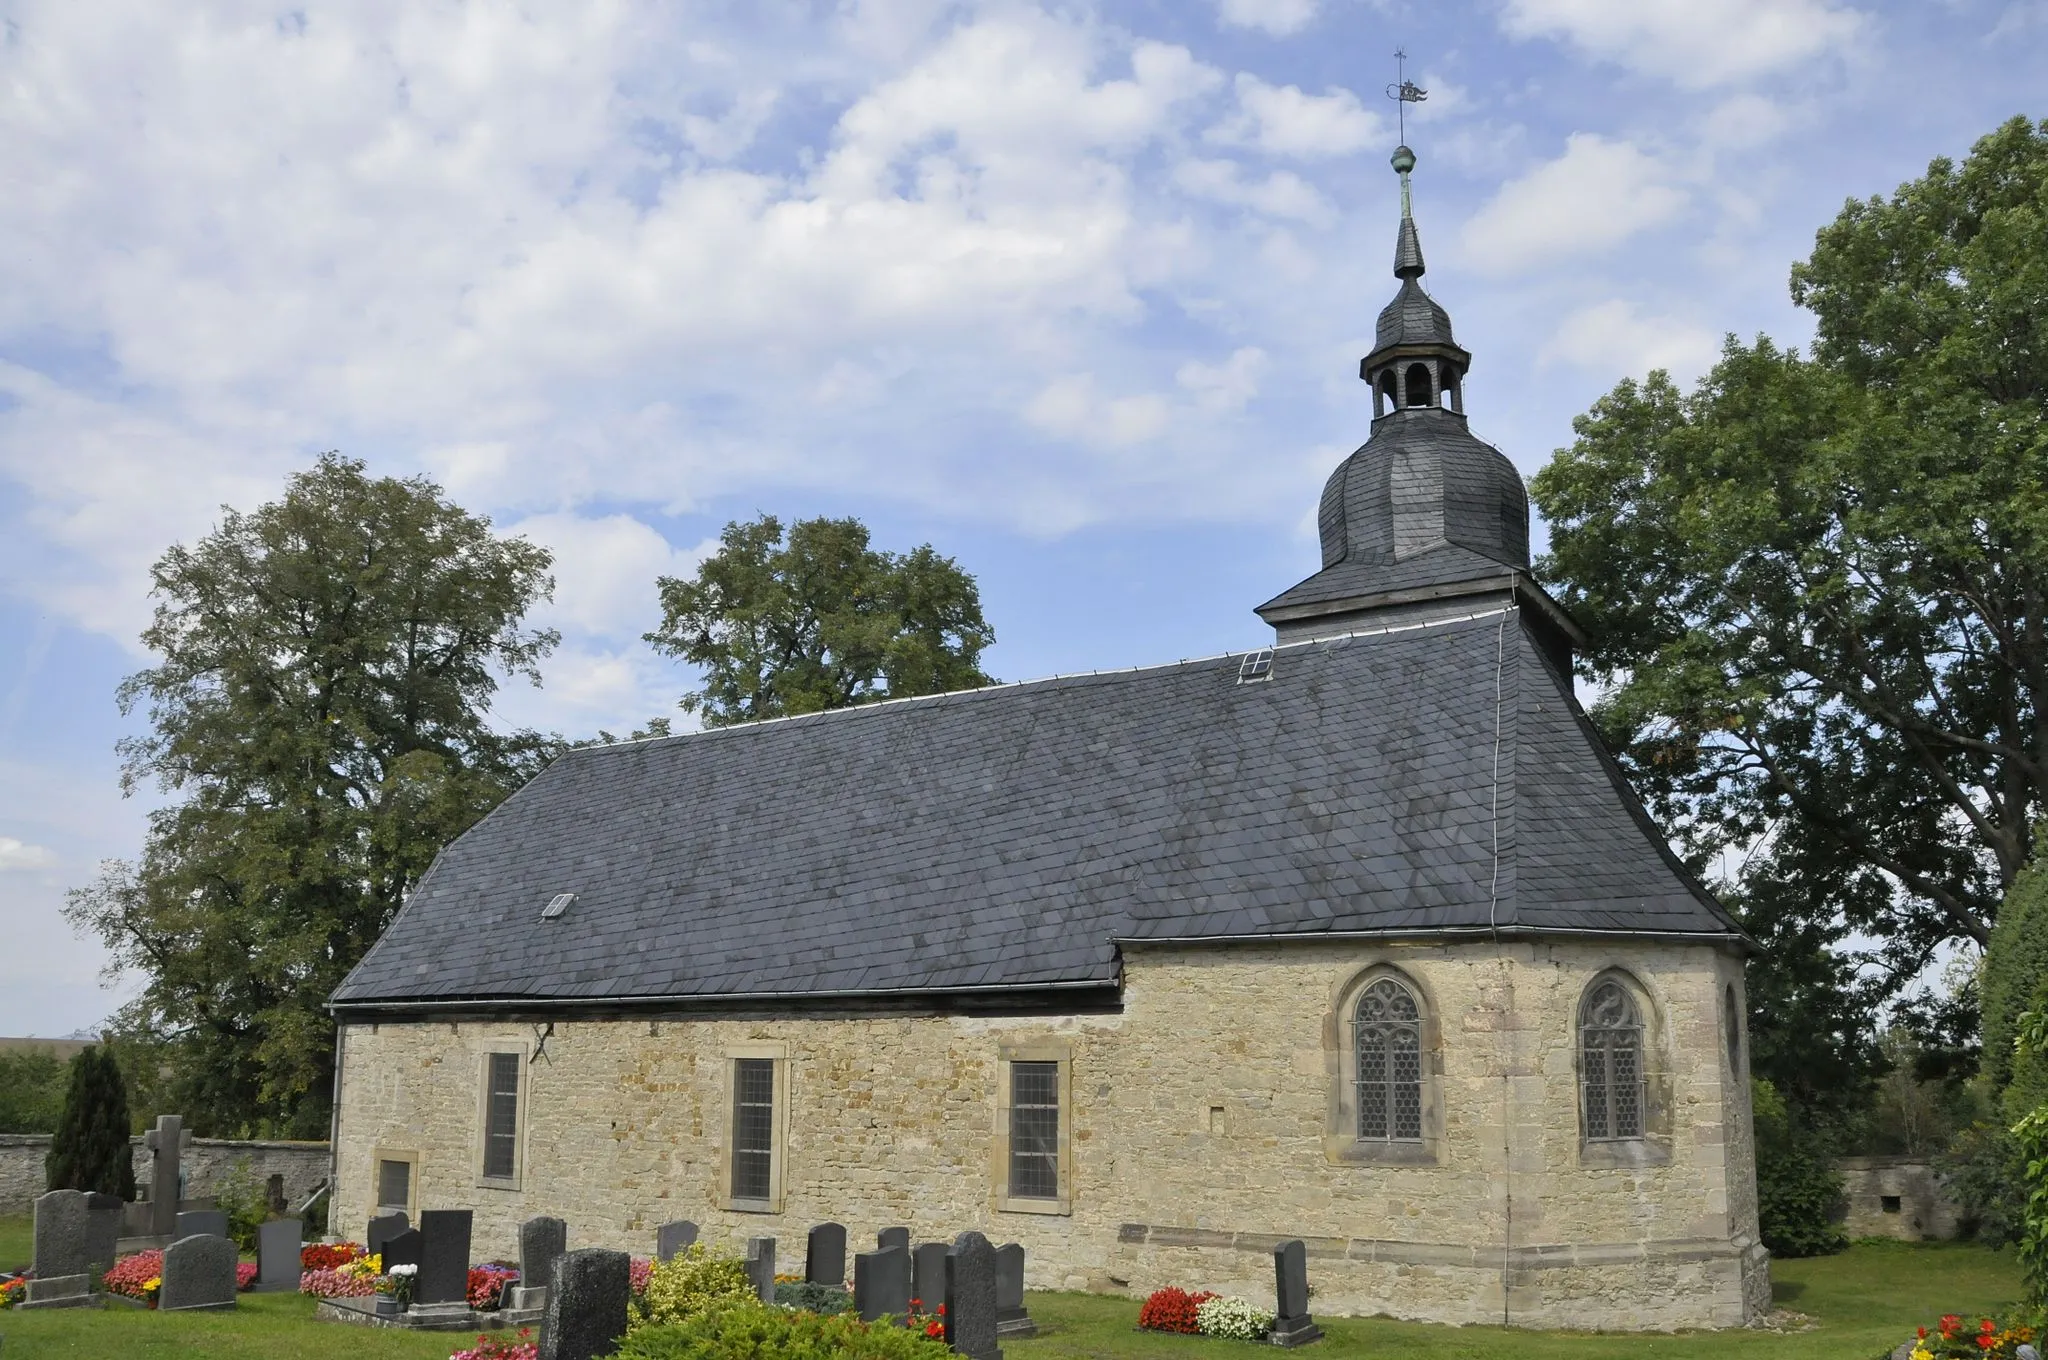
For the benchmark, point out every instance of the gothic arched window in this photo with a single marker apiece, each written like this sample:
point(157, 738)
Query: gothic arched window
point(1388, 1030)
point(1611, 1062)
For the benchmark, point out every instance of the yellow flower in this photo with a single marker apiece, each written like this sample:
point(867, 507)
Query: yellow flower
point(153, 1282)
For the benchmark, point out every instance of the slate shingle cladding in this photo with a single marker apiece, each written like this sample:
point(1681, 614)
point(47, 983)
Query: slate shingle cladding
point(1433, 779)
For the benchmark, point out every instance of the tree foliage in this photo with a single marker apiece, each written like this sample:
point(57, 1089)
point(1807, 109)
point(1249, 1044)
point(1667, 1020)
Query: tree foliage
point(32, 1084)
point(90, 1150)
point(1798, 1190)
point(319, 714)
point(1816, 589)
point(2015, 969)
point(819, 621)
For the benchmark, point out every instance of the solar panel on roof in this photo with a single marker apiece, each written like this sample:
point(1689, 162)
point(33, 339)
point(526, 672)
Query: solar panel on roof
point(1256, 666)
point(557, 904)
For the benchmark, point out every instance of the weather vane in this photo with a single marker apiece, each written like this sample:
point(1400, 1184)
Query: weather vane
point(1404, 92)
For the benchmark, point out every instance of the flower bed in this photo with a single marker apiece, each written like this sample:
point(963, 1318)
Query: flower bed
point(13, 1291)
point(1202, 1313)
point(490, 1348)
point(1953, 1337)
point(245, 1276)
point(1172, 1309)
point(355, 1279)
point(641, 1270)
point(137, 1277)
point(487, 1285)
point(328, 1255)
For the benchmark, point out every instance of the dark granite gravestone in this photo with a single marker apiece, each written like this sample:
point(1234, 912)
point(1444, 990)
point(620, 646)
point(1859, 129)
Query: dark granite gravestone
point(928, 1276)
point(1292, 1326)
point(199, 1272)
point(201, 1223)
point(383, 1228)
point(165, 1143)
point(892, 1237)
point(1011, 1319)
point(881, 1283)
point(75, 1233)
point(588, 1296)
point(673, 1239)
point(761, 1266)
point(971, 1297)
point(825, 1255)
point(444, 1256)
point(542, 1241)
point(278, 1245)
point(402, 1249)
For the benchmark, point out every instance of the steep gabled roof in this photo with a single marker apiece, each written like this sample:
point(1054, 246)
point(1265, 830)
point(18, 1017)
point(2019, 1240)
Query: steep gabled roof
point(1416, 781)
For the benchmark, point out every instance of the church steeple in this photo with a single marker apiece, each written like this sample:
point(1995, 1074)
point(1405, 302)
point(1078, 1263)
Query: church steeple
point(1414, 362)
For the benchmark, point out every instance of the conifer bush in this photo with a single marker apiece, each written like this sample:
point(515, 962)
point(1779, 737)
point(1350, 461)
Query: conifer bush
point(90, 1150)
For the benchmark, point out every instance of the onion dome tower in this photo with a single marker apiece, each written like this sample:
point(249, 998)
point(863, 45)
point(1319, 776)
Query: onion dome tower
point(1424, 517)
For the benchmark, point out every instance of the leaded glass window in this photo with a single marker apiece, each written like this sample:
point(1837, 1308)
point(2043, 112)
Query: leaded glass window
point(1611, 1063)
point(753, 1127)
point(501, 1117)
point(1388, 1036)
point(1035, 1130)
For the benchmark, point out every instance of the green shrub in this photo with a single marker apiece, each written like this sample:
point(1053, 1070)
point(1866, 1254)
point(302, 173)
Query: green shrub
point(1984, 1171)
point(772, 1334)
point(31, 1091)
point(240, 1196)
point(813, 1298)
point(2015, 962)
point(90, 1148)
point(1798, 1190)
point(694, 1282)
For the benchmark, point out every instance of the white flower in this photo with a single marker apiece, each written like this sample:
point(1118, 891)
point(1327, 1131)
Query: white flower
point(406, 1271)
point(1237, 1319)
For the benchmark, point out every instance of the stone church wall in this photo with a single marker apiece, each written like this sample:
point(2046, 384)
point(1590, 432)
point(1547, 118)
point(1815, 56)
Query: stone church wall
point(1206, 1121)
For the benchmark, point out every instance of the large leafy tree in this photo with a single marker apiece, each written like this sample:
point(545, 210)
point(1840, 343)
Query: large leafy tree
point(1816, 588)
point(319, 715)
point(819, 620)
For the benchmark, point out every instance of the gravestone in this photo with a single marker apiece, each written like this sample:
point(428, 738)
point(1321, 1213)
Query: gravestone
point(928, 1276)
point(673, 1239)
point(166, 1142)
point(892, 1237)
point(542, 1241)
point(1011, 1319)
point(971, 1297)
point(881, 1283)
point(278, 1244)
point(1292, 1326)
point(825, 1255)
point(383, 1228)
point(199, 1272)
point(75, 1233)
point(761, 1266)
point(403, 1249)
point(444, 1256)
point(588, 1295)
point(200, 1223)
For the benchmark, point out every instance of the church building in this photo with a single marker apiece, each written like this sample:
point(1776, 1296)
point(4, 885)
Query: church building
point(1360, 938)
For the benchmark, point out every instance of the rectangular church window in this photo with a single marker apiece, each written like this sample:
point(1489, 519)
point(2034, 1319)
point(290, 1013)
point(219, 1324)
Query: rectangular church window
point(753, 1128)
point(1035, 1130)
point(501, 1116)
point(394, 1186)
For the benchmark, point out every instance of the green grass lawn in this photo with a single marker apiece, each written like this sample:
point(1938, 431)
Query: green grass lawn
point(1865, 1300)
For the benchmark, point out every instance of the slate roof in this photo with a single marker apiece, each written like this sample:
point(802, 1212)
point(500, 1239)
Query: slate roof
point(1009, 838)
point(1412, 318)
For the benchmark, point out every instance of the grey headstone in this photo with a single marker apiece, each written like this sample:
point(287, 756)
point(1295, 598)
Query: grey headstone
point(673, 1239)
point(541, 1243)
point(383, 1228)
point(166, 1142)
point(199, 1272)
point(971, 1297)
point(201, 1223)
point(881, 1283)
point(1292, 1326)
point(825, 1255)
point(928, 1276)
point(75, 1233)
point(2026, 1352)
point(892, 1237)
point(1011, 1319)
point(278, 1244)
point(444, 1256)
point(761, 1266)
point(402, 1249)
point(588, 1297)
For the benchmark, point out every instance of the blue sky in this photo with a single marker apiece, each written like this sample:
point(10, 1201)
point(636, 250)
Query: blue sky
point(1074, 292)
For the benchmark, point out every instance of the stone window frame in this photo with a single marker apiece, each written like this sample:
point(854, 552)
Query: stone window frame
point(1341, 1143)
point(1058, 1051)
point(1653, 1148)
point(517, 1179)
point(411, 1157)
point(777, 1052)
point(1734, 1030)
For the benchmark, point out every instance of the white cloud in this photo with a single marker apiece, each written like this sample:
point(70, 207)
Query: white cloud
point(1744, 121)
point(1070, 408)
point(1592, 198)
point(1696, 44)
point(605, 570)
point(1226, 386)
point(1279, 18)
point(1616, 338)
point(1280, 194)
point(19, 854)
point(1280, 120)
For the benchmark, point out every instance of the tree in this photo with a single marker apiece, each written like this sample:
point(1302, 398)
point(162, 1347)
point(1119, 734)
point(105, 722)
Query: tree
point(1816, 589)
point(319, 708)
point(32, 1085)
point(821, 621)
point(90, 1149)
point(2015, 968)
